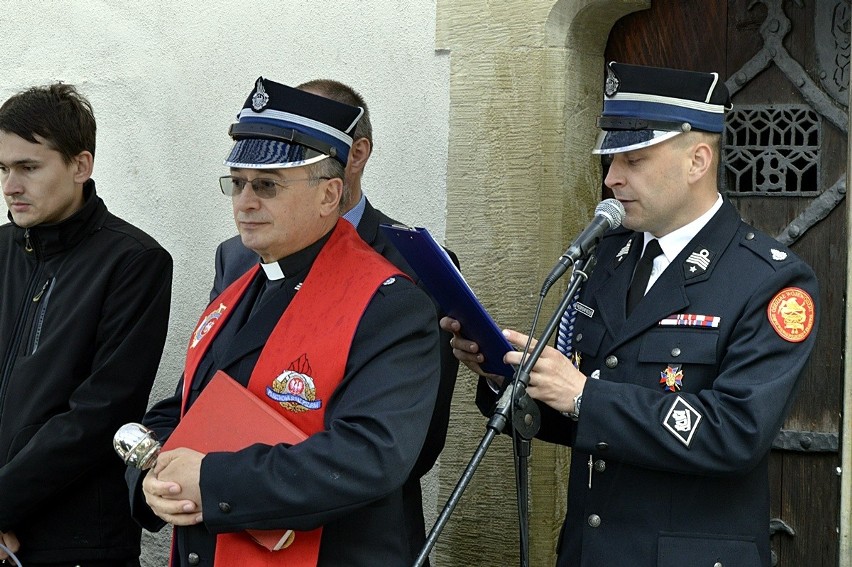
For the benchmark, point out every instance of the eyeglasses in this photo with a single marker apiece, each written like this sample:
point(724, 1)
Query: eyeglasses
point(263, 187)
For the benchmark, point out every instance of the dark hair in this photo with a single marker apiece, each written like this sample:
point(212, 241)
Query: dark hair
point(335, 90)
point(57, 113)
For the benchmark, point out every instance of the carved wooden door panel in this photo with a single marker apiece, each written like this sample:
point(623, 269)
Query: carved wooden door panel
point(786, 64)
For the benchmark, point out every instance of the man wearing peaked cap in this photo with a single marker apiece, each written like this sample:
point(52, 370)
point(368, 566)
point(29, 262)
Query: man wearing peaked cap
point(326, 333)
point(644, 106)
point(282, 127)
point(688, 342)
point(233, 259)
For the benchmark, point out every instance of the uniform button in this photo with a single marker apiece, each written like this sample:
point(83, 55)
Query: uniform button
point(579, 337)
point(749, 236)
point(675, 352)
point(600, 465)
point(224, 507)
point(717, 564)
point(611, 361)
point(601, 446)
point(193, 559)
point(594, 520)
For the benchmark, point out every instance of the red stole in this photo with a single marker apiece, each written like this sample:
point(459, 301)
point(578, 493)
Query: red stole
point(302, 362)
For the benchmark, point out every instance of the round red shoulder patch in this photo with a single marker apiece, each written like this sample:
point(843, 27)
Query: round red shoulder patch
point(791, 313)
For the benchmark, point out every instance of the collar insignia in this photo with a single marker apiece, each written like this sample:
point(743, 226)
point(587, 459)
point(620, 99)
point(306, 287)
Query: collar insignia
point(697, 263)
point(294, 389)
point(260, 99)
point(682, 420)
point(625, 250)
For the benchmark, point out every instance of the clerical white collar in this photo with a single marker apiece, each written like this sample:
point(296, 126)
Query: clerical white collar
point(273, 271)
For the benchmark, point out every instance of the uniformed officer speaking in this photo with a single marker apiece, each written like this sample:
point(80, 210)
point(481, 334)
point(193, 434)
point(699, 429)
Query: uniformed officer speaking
point(689, 339)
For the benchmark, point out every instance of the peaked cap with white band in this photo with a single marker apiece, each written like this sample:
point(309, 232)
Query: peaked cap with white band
point(281, 127)
point(644, 106)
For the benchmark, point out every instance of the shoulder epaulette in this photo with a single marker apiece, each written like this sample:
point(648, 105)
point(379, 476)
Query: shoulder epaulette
point(765, 247)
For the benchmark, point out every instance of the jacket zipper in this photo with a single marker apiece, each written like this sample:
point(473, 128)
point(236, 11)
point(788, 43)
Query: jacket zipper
point(42, 296)
point(18, 332)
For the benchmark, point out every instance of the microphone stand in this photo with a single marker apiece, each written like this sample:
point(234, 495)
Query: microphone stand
point(515, 406)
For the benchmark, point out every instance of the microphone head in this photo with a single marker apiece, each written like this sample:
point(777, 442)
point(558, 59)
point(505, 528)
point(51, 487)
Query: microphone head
point(612, 210)
point(136, 445)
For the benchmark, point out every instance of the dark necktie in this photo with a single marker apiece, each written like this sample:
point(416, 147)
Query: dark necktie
point(642, 275)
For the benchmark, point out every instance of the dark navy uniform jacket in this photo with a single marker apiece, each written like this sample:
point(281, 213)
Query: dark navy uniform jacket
point(233, 260)
point(349, 478)
point(680, 478)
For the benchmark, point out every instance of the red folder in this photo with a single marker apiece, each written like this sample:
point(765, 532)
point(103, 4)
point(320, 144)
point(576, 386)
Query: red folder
point(227, 417)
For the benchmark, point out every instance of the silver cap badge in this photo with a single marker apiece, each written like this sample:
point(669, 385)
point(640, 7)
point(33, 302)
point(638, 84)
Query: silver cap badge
point(611, 86)
point(260, 99)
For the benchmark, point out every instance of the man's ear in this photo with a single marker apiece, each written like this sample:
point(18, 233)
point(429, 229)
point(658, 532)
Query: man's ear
point(701, 161)
point(358, 156)
point(83, 163)
point(332, 192)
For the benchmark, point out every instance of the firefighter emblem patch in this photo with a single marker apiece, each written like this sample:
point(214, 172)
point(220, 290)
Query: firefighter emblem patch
point(791, 313)
point(207, 324)
point(294, 389)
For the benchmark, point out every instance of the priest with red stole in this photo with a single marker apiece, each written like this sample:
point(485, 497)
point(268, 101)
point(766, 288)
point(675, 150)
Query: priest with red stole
point(324, 331)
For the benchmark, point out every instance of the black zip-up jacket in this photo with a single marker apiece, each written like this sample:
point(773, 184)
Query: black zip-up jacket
point(84, 308)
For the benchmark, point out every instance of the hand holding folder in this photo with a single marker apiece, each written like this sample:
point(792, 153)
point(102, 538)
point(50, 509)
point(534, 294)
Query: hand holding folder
point(227, 417)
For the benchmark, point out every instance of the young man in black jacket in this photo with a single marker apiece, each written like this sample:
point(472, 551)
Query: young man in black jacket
point(84, 307)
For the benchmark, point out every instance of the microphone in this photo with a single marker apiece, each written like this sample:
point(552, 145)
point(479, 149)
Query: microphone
point(608, 215)
point(137, 446)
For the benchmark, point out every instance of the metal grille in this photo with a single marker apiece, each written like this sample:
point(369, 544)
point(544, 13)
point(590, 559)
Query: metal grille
point(772, 151)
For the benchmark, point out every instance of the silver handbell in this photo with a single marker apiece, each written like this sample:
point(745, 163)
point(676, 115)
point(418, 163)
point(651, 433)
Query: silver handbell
point(136, 445)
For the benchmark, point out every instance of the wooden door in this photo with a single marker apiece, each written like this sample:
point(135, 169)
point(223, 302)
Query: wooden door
point(786, 64)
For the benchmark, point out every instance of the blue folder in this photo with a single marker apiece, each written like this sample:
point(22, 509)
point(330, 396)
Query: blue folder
point(445, 283)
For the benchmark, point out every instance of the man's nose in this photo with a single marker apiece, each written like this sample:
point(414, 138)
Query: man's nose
point(10, 184)
point(614, 176)
point(246, 199)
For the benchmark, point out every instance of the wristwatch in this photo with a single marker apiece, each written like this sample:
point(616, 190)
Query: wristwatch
point(575, 415)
